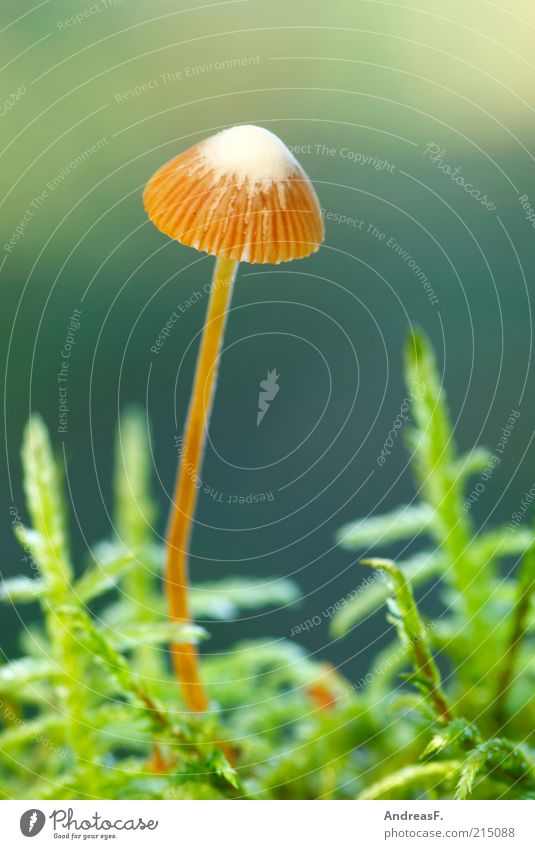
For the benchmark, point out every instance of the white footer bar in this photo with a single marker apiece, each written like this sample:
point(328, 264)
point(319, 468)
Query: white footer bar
point(269, 825)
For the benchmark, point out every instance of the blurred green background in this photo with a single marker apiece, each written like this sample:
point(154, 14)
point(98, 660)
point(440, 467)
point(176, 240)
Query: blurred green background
point(381, 98)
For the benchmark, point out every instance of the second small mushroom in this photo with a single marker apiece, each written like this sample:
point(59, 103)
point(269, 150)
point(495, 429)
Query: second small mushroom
point(241, 196)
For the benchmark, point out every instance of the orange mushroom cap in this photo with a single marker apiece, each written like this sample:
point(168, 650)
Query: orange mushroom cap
point(240, 194)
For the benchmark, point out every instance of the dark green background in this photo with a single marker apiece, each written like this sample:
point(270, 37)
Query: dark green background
point(382, 79)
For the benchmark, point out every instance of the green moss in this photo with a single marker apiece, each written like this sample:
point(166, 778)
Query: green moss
point(91, 709)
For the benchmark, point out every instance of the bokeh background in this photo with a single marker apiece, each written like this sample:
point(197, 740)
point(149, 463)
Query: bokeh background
point(380, 98)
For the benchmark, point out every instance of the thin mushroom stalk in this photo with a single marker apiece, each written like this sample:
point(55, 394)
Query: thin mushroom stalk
point(241, 196)
point(185, 658)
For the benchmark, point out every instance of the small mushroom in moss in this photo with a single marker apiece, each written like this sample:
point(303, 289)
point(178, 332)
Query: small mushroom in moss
point(241, 196)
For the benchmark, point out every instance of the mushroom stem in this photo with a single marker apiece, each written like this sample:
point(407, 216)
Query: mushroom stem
point(185, 659)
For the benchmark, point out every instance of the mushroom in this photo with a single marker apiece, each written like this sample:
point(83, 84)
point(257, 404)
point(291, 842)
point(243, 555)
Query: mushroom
point(241, 196)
